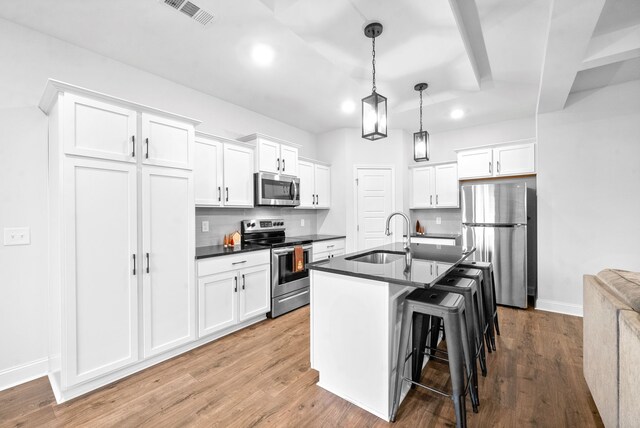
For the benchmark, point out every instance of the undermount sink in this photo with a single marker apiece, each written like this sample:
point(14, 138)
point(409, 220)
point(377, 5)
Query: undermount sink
point(377, 257)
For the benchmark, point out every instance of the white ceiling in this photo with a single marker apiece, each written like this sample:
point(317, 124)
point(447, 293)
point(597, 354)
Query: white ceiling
point(484, 57)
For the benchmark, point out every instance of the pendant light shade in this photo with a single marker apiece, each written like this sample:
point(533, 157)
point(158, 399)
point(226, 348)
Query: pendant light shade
point(374, 106)
point(421, 146)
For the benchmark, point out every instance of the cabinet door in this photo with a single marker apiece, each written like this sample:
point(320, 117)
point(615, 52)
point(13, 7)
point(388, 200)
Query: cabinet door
point(475, 163)
point(167, 142)
point(422, 188)
point(268, 156)
point(323, 186)
point(255, 284)
point(96, 129)
point(307, 184)
point(447, 194)
point(167, 264)
point(288, 160)
point(515, 160)
point(238, 176)
point(101, 292)
point(218, 302)
point(207, 173)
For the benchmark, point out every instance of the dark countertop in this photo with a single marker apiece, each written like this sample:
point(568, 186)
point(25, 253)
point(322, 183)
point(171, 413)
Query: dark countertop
point(220, 250)
point(437, 235)
point(430, 264)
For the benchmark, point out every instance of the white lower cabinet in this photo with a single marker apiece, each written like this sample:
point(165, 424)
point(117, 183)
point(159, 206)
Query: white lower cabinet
point(323, 250)
point(168, 292)
point(232, 289)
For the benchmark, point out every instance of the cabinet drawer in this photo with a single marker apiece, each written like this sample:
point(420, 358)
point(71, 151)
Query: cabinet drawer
point(434, 241)
point(332, 245)
point(237, 261)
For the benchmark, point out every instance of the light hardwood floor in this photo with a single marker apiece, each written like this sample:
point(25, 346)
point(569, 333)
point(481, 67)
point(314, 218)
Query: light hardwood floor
point(261, 377)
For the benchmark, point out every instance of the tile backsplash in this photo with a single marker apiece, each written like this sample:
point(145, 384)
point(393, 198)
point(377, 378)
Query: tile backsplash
point(226, 220)
point(451, 220)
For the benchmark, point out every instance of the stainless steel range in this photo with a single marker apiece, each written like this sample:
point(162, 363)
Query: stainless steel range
point(289, 289)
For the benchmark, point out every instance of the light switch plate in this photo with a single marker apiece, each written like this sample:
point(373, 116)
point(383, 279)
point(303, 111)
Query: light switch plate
point(301, 222)
point(438, 220)
point(17, 236)
point(205, 226)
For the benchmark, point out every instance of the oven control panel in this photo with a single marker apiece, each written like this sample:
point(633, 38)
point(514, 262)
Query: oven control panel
point(262, 225)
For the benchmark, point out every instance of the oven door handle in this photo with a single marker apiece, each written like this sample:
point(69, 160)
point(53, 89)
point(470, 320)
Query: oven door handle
point(290, 250)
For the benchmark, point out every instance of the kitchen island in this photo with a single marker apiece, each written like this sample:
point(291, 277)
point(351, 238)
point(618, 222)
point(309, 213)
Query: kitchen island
point(356, 301)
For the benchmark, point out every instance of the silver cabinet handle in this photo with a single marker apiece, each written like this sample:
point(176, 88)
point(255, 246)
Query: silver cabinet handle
point(284, 165)
point(331, 246)
point(239, 263)
point(219, 193)
point(490, 168)
point(317, 199)
point(430, 199)
point(227, 198)
point(235, 278)
point(498, 166)
point(147, 154)
point(314, 199)
point(134, 264)
point(147, 262)
point(431, 269)
point(133, 146)
point(243, 282)
point(278, 164)
point(436, 199)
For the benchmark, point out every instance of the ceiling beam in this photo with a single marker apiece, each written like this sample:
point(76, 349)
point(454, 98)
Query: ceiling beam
point(571, 26)
point(616, 46)
point(467, 19)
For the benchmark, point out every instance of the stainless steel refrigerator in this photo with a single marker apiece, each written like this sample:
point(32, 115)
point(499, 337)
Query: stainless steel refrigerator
point(494, 220)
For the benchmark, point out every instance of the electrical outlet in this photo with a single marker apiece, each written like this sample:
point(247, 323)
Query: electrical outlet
point(205, 226)
point(438, 220)
point(301, 222)
point(17, 236)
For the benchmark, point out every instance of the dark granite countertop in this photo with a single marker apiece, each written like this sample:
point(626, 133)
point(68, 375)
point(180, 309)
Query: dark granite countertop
point(430, 264)
point(437, 235)
point(220, 250)
point(317, 238)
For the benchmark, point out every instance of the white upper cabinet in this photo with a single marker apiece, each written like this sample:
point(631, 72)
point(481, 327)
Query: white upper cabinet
point(307, 184)
point(516, 158)
point(422, 187)
point(167, 142)
point(315, 185)
point(476, 163)
point(208, 172)
point(238, 176)
point(288, 160)
point(100, 226)
point(97, 129)
point(446, 186)
point(434, 186)
point(274, 156)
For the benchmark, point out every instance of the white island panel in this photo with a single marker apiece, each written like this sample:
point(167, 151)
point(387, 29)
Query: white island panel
point(355, 328)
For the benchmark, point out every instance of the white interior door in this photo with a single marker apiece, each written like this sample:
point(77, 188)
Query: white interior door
point(207, 173)
point(167, 142)
point(101, 327)
point(96, 129)
point(323, 186)
point(218, 302)
point(168, 259)
point(307, 185)
point(238, 176)
point(374, 204)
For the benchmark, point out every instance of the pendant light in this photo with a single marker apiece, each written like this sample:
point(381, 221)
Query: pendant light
point(421, 149)
point(374, 107)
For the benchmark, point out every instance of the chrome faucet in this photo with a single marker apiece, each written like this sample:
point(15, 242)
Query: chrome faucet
point(407, 243)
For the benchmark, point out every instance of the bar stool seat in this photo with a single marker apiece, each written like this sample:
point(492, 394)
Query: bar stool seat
point(487, 270)
point(484, 294)
point(419, 306)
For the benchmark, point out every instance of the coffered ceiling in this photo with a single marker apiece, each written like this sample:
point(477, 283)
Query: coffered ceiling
point(484, 56)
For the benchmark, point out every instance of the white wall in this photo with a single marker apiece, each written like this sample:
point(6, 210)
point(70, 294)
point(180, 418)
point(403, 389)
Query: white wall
point(588, 203)
point(345, 149)
point(29, 58)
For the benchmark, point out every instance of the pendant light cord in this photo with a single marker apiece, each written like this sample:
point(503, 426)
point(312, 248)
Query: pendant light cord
point(421, 110)
point(373, 62)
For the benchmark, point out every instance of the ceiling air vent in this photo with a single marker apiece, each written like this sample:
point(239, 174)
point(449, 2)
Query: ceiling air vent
point(191, 10)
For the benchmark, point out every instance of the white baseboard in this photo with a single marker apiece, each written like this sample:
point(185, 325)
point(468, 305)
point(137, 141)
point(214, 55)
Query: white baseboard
point(559, 307)
point(23, 373)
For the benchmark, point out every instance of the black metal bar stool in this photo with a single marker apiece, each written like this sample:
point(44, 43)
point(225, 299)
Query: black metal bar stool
point(420, 305)
point(484, 294)
point(487, 271)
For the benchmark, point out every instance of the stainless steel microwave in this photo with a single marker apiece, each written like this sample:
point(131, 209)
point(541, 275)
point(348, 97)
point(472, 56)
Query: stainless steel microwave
point(276, 190)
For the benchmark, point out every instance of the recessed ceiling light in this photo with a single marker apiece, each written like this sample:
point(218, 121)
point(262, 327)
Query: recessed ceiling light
point(262, 54)
point(348, 106)
point(457, 113)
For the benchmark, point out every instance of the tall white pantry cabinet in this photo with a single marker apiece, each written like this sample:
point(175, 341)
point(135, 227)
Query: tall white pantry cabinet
point(121, 234)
